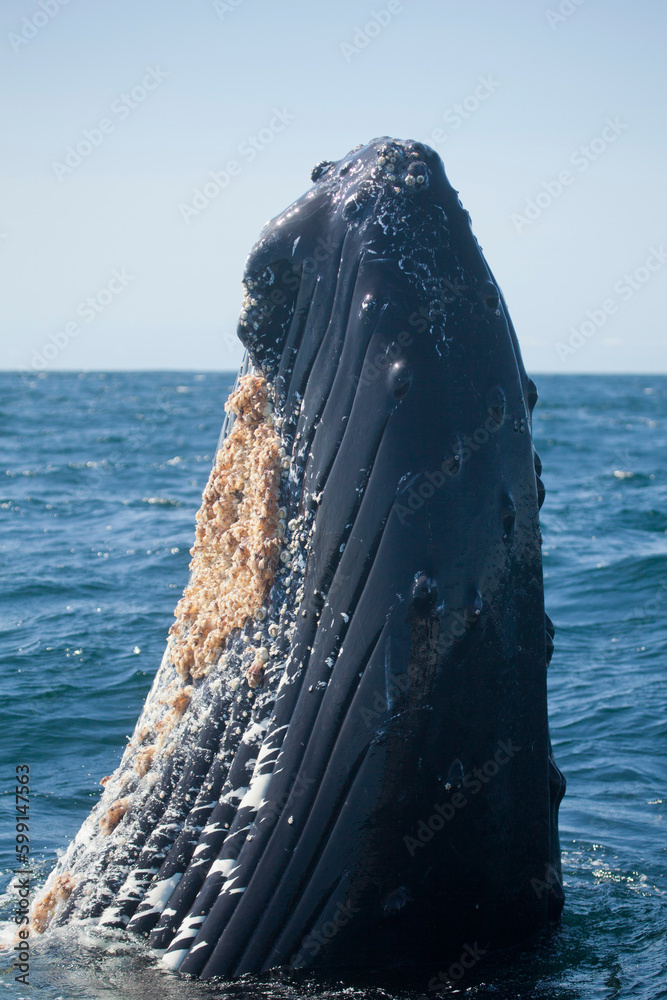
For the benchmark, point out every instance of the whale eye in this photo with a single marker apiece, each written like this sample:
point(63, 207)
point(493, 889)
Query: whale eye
point(319, 169)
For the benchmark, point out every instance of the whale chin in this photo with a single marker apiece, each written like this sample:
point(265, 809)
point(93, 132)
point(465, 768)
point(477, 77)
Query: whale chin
point(344, 760)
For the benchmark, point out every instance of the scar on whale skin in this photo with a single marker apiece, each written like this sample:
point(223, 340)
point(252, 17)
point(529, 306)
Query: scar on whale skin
point(238, 536)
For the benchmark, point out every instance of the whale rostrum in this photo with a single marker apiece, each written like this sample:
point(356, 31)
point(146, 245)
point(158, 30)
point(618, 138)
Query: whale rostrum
point(344, 760)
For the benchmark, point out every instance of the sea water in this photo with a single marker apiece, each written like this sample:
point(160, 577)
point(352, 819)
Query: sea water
point(101, 477)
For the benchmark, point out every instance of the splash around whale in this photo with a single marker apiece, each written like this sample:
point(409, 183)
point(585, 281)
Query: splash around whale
point(344, 760)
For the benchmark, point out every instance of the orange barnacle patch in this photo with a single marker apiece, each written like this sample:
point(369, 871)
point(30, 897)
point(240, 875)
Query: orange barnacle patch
point(144, 761)
point(237, 539)
point(255, 673)
point(114, 815)
point(181, 701)
point(45, 907)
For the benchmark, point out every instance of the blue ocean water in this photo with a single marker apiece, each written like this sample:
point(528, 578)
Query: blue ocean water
point(101, 477)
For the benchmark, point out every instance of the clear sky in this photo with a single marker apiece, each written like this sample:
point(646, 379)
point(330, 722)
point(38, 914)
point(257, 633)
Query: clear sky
point(549, 115)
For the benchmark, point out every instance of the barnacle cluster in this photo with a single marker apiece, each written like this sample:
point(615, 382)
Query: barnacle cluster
point(44, 909)
point(239, 534)
point(114, 815)
point(400, 165)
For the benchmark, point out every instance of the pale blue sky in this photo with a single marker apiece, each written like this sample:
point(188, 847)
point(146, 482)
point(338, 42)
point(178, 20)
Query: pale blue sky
point(218, 71)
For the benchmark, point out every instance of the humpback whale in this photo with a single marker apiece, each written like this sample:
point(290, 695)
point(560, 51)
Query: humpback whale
point(344, 760)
